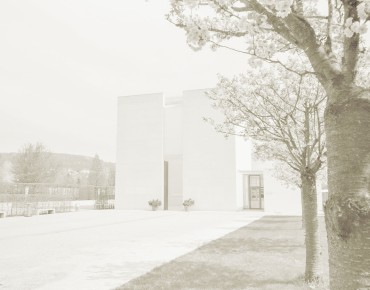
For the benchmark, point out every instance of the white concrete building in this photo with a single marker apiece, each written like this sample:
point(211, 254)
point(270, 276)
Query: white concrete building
point(166, 151)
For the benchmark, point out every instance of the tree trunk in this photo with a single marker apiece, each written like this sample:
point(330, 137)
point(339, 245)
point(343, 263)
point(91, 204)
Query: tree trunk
point(347, 211)
point(303, 211)
point(309, 203)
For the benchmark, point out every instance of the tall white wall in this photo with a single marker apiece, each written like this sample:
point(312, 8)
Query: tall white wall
point(139, 169)
point(279, 197)
point(243, 153)
point(209, 165)
point(243, 163)
point(173, 129)
point(173, 143)
point(202, 164)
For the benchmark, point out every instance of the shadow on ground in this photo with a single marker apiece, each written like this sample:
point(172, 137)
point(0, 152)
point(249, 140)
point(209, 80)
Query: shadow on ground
point(266, 254)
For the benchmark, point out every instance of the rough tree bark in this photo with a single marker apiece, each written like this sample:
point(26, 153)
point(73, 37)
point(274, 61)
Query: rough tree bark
point(347, 126)
point(347, 210)
point(309, 195)
point(303, 210)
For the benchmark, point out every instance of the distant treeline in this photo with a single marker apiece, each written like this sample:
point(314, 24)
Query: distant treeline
point(35, 164)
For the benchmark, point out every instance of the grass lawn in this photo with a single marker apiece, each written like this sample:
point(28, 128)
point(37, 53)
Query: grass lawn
point(266, 254)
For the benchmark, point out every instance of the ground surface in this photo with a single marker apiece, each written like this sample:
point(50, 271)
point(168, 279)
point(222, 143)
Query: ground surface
point(102, 249)
point(266, 254)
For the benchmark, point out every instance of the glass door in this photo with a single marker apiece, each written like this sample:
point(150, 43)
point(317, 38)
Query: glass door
point(256, 195)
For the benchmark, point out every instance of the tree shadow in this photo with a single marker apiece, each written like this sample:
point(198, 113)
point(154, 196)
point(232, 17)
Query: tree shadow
point(266, 254)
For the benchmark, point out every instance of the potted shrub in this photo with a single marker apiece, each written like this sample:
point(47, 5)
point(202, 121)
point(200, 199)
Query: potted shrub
point(155, 203)
point(188, 203)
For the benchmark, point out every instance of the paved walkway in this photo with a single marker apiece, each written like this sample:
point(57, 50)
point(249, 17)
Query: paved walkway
point(102, 249)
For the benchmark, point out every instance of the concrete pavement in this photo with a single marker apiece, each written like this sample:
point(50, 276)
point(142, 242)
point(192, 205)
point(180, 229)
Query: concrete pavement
point(102, 249)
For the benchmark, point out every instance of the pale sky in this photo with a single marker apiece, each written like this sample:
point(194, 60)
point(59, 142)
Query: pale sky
point(63, 63)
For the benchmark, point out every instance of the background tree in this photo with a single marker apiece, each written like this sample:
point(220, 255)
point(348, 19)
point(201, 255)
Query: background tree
point(331, 47)
point(5, 170)
point(34, 164)
point(112, 176)
point(96, 174)
point(285, 119)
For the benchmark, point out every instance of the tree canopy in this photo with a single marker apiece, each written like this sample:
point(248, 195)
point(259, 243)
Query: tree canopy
point(97, 174)
point(325, 38)
point(34, 164)
point(281, 111)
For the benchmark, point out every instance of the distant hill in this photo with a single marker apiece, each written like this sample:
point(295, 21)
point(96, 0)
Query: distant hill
point(74, 162)
point(77, 162)
point(66, 163)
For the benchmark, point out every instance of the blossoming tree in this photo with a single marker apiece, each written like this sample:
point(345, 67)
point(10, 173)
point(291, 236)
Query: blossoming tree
point(283, 113)
point(331, 47)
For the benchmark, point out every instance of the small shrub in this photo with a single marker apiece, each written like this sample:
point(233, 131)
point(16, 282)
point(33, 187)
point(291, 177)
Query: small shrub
point(155, 202)
point(188, 202)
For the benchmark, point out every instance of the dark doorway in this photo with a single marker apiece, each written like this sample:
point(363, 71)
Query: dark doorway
point(165, 186)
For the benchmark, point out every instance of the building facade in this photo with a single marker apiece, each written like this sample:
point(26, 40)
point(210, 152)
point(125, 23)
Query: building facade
point(166, 151)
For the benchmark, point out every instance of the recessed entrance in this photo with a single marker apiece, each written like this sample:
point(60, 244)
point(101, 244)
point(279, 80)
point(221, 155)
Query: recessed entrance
point(172, 186)
point(256, 196)
point(253, 191)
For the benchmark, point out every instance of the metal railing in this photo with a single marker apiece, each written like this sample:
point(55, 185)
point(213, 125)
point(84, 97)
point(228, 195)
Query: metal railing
point(33, 198)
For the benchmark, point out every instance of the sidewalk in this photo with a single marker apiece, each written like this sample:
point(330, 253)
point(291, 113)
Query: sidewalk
point(102, 249)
